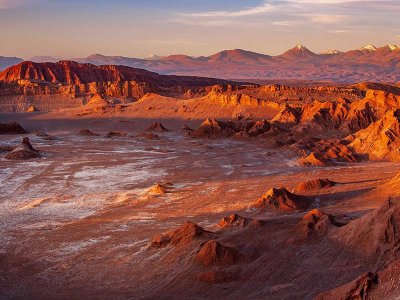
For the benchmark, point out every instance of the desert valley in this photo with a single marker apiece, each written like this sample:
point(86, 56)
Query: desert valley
point(122, 183)
point(233, 175)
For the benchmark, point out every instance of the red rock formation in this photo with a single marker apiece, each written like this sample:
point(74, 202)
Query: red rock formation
point(329, 152)
point(181, 236)
point(214, 253)
point(287, 117)
point(234, 221)
point(212, 128)
point(259, 127)
point(280, 199)
point(31, 108)
point(314, 184)
point(107, 80)
point(376, 233)
point(317, 223)
point(97, 100)
point(380, 140)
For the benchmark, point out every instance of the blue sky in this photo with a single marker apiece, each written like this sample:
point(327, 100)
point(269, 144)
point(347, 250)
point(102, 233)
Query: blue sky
point(195, 27)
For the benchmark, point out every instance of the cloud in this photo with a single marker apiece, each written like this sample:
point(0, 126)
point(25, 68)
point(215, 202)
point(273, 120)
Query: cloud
point(249, 11)
point(284, 23)
point(197, 22)
point(326, 18)
point(339, 31)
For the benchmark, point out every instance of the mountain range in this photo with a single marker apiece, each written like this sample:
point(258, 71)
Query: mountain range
point(368, 63)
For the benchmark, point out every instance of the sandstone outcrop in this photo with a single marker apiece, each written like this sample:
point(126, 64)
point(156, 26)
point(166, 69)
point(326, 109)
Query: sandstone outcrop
point(315, 184)
point(380, 140)
point(77, 80)
point(212, 128)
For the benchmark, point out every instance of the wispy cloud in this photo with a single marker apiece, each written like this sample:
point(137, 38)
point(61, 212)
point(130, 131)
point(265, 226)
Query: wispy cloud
point(197, 22)
point(323, 12)
point(284, 23)
point(326, 18)
point(248, 11)
point(339, 31)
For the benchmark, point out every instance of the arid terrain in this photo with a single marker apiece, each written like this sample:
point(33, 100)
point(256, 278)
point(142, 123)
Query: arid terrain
point(119, 183)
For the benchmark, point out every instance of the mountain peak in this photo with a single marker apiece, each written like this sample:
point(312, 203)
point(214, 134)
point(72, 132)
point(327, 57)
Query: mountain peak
point(393, 47)
point(96, 55)
point(298, 51)
point(369, 48)
point(238, 55)
point(330, 52)
point(301, 47)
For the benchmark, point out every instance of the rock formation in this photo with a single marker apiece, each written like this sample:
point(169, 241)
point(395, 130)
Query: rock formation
point(86, 132)
point(357, 289)
point(45, 136)
point(157, 127)
point(112, 134)
point(380, 140)
point(237, 221)
point(315, 184)
point(11, 128)
point(317, 223)
point(212, 128)
point(182, 236)
point(280, 199)
point(160, 189)
point(214, 253)
point(31, 109)
point(376, 233)
point(78, 80)
point(23, 151)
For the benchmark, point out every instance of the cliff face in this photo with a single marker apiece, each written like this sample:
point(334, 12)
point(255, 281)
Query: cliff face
point(73, 73)
point(118, 89)
point(30, 81)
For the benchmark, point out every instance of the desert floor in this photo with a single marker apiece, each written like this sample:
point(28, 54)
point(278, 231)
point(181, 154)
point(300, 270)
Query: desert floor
point(77, 222)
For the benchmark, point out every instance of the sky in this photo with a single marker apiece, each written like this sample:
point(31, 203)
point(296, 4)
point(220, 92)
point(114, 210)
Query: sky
point(72, 28)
